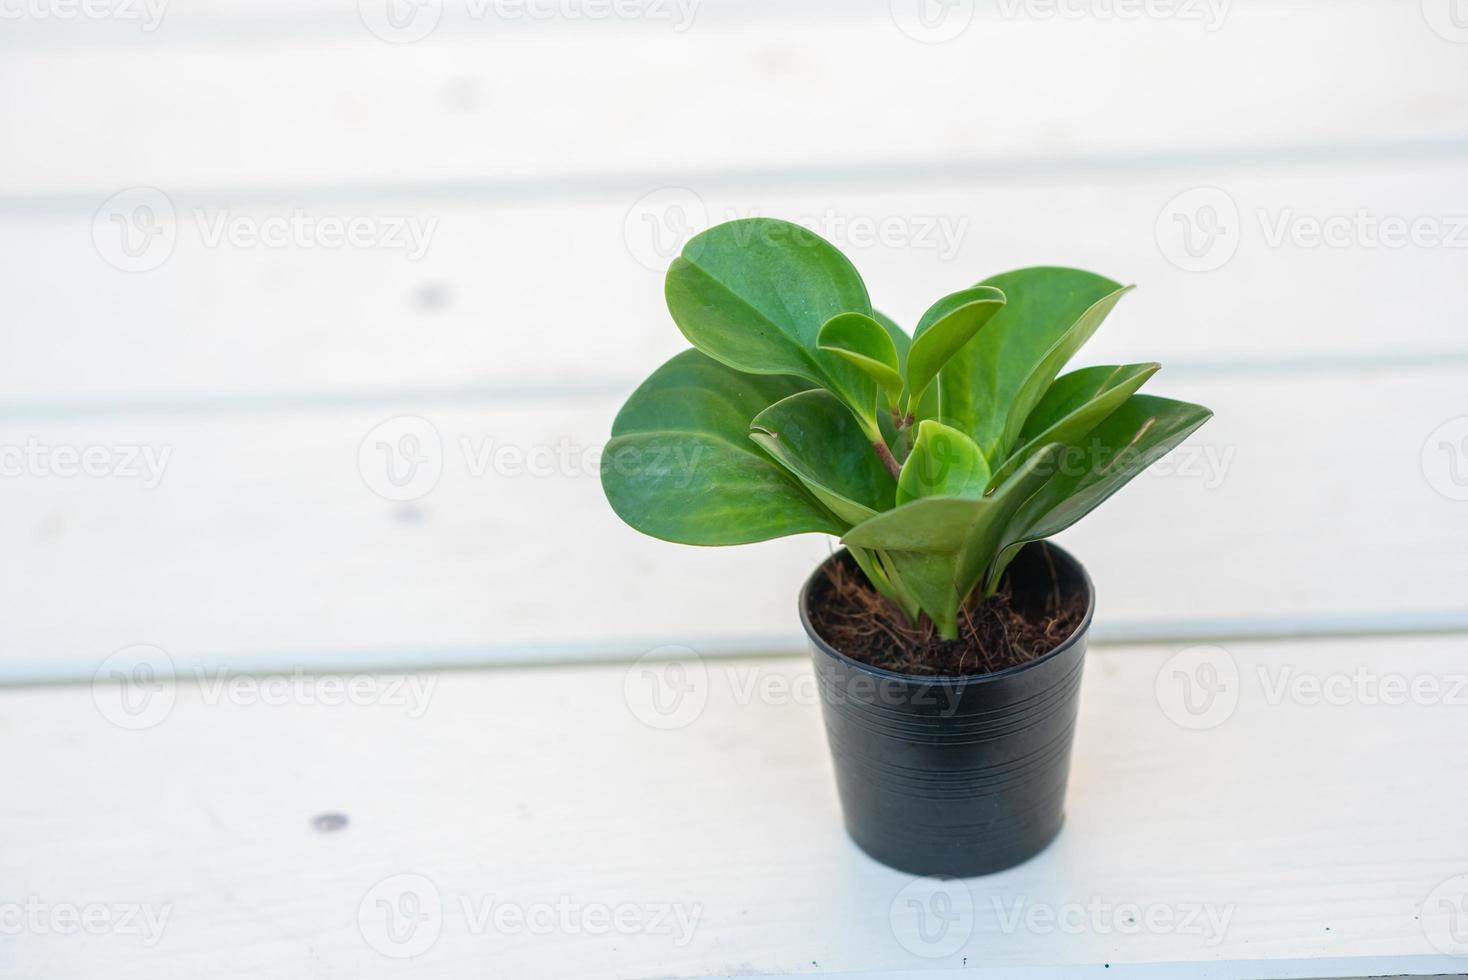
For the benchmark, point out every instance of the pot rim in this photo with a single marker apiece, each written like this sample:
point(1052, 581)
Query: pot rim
point(819, 642)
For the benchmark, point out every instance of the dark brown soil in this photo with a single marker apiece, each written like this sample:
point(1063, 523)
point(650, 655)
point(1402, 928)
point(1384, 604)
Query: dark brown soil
point(1036, 608)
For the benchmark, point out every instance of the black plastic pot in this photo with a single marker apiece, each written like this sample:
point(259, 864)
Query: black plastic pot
point(955, 776)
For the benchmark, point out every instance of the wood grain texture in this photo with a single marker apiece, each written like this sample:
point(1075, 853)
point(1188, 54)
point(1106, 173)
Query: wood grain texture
point(479, 784)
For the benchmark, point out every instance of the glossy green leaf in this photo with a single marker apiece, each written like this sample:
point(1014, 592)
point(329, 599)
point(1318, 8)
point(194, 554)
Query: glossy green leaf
point(813, 436)
point(944, 463)
point(754, 295)
point(930, 407)
point(864, 343)
point(948, 325)
point(1143, 430)
point(983, 383)
point(1032, 391)
point(680, 465)
point(1074, 405)
point(942, 546)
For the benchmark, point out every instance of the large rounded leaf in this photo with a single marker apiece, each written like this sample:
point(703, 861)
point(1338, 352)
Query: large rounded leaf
point(944, 463)
point(992, 383)
point(1139, 433)
point(813, 436)
point(941, 547)
point(754, 294)
point(680, 465)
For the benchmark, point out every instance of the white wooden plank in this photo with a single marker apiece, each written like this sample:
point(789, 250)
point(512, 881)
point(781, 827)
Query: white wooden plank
point(529, 297)
point(1313, 830)
point(497, 104)
point(1305, 502)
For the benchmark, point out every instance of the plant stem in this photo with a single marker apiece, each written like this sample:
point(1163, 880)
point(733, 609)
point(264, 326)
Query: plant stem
point(888, 460)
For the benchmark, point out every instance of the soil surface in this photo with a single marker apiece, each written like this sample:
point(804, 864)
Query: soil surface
point(1038, 606)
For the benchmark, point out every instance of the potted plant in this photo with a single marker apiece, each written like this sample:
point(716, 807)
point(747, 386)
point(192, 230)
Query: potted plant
point(948, 635)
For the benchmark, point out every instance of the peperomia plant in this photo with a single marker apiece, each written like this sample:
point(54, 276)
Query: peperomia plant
point(934, 457)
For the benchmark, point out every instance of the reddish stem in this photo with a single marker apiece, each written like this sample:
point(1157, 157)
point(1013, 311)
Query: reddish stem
point(888, 460)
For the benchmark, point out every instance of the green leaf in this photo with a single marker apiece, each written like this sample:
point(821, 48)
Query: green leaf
point(947, 326)
point(928, 408)
point(754, 295)
point(944, 463)
point(1039, 380)
point(680, 465)
point(989, 379)
point(813, 436)
point(1143, 430)
point(941, 546)
point(1074, 405)
point(865, 343)
point(900, 340)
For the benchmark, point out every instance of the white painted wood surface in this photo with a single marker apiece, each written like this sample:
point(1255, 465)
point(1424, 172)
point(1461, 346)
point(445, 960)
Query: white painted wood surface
point(544, 157)
point(536, 306)
point(511, 299)
point(485, 100)
point(1309, 500)
point(1314, 830)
